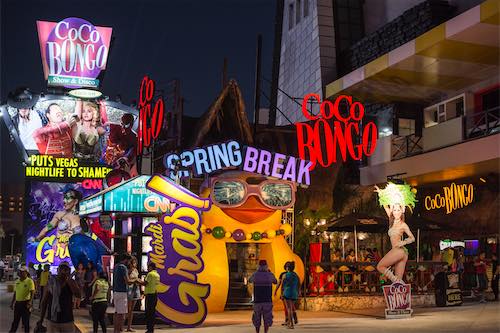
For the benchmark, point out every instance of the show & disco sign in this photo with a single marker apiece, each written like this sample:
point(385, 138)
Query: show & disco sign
point(74, 52)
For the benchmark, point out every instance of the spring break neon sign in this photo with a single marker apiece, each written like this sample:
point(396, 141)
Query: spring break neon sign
point(333, 131)
point(150, 118)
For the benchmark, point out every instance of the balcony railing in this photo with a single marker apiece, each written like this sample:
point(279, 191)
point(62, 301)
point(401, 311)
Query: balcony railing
point(343, 278)
point(406, 146)
point(483, 123)
point(474, 126)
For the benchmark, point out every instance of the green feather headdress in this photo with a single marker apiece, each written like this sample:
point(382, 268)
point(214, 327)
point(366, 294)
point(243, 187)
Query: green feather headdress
point(393, 194)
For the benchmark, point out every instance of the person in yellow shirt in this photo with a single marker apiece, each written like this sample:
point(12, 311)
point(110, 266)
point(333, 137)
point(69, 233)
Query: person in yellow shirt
point(99, 298)
point(44, 280)
point(22, 300)
point(151, 284)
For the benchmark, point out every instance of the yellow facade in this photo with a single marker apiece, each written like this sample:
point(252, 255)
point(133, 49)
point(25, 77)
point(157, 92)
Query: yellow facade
point(275, 250)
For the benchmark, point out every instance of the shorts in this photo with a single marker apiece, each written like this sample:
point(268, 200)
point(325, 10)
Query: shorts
point(264, 311)
point(405, 249)
point(120, 302)
point(134, 293)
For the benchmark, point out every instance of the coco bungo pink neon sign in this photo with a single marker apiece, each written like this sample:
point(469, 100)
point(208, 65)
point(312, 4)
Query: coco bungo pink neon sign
point(335, 131)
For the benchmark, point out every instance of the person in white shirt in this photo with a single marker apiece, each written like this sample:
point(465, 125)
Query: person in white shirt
point(27, 120)
point(2, 269)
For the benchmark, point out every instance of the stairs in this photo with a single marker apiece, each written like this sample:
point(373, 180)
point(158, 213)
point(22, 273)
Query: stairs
point(238, 297)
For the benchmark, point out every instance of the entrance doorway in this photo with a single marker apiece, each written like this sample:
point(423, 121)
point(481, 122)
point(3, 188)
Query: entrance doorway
point(243, 262)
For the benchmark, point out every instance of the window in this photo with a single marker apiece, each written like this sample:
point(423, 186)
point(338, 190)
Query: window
point(297, 13)
point(490, 100)
point(290, 16)
point(306, 8)
point(406, 127)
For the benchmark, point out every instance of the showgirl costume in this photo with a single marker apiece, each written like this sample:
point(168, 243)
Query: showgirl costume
point(390, 196)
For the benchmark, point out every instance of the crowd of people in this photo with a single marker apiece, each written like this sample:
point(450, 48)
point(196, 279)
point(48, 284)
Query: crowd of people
point(364, 255)
point(60, 294)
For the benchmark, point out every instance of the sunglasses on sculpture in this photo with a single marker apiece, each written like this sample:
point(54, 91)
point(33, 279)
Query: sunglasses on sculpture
point(234, 192)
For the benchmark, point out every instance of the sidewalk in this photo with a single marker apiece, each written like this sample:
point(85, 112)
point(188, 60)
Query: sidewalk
point(471, 317)
point(468, 318)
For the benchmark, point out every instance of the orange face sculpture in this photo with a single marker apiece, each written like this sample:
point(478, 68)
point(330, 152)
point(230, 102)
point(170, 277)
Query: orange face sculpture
point(246, 208)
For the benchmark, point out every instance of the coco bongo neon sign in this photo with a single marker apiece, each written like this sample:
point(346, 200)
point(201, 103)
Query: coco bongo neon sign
point(150, 118)
point(336, 131)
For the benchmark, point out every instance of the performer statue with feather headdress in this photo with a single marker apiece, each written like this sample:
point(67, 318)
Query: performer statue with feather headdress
point(395, 198)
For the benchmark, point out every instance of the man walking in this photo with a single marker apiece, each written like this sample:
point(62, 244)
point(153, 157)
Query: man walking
point(120, 283)
point(263, 281)
point(150, 291)
point(22, 300)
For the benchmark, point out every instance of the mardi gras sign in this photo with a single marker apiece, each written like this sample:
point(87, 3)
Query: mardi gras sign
point(176, 251)
point(334, 132)
point(398, 300)
point(230, 154)
point(453, 197)
point(74, 51)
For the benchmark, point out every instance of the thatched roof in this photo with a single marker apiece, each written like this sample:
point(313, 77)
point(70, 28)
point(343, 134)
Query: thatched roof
point(226, 119)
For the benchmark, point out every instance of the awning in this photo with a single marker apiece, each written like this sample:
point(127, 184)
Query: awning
point(130, 196)
point(454, 55)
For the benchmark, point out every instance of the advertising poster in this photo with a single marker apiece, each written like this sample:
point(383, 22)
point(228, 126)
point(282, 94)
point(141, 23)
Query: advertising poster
point(52, 218)
point(60, 126)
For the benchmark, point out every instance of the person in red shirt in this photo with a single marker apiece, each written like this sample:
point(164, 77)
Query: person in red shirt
point(482, 280)
point(57, 137)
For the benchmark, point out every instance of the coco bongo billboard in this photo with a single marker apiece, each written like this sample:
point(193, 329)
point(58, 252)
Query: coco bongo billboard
point(74, 51)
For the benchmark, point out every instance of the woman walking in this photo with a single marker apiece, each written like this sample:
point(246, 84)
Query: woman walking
point(99, 299)
point(90, 277)
point(134, 292)
point(79, 276)
point(291, 284)
point(280, 288)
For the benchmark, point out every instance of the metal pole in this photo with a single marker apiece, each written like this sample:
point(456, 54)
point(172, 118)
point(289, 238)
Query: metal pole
point(418, 245)
point(258, 78)
point(343, 247)
point(12, 244)
point(355, 244)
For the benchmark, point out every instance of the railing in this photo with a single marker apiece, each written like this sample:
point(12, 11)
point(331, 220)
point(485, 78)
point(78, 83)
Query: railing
point(482, 123)
point(343, 278)
point(405, 146)
point(476, 125)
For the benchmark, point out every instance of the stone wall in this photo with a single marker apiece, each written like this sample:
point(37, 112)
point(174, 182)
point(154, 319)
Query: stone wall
point(411, 24)
point(333, 303)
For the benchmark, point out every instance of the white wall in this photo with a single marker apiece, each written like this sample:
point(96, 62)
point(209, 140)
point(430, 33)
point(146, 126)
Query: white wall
point(443, 134)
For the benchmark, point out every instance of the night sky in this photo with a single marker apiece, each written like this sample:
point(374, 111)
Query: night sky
point(185, 39)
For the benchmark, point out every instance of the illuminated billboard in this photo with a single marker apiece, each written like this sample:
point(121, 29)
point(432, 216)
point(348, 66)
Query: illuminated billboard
point(65, 127)
point(73, 51)
point(51, 218)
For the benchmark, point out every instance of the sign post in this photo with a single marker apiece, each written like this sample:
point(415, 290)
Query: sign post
point(398, 300)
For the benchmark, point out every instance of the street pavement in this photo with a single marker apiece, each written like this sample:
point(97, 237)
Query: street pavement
point(470, 317)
